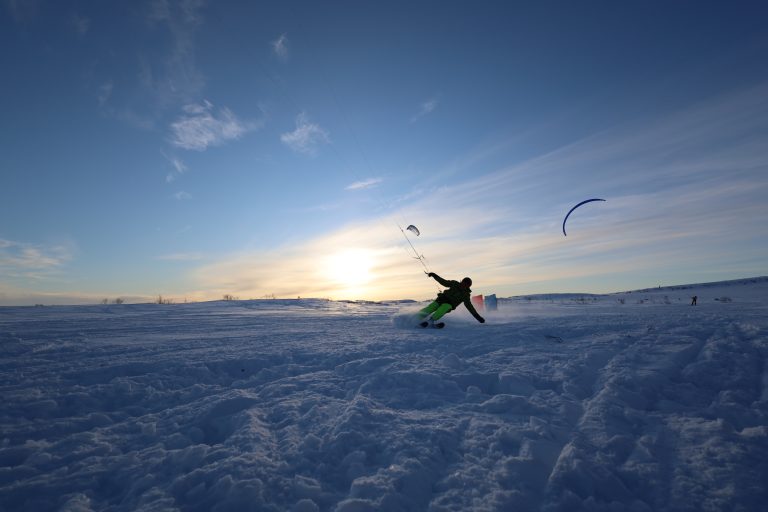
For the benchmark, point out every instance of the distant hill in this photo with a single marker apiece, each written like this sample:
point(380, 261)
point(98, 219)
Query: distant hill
point(715, 284)
point(655, 290)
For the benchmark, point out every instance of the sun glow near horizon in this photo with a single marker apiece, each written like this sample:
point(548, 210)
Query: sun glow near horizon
point(349, 271)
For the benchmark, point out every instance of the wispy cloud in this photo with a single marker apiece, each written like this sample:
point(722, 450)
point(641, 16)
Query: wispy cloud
point(178, 166)
point(306, 137)
point(202, 126)
point(280, 47)
point(80, 24)
point(29, 261)
point(182, 196)
point(178, 77)
point(426, 108)
point(105, 92)
point(360, 185)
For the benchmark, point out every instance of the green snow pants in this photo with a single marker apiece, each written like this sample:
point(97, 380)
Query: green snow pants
point(437, 309)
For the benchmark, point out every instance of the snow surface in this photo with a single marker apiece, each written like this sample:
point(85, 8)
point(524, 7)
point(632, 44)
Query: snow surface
point(635, 401)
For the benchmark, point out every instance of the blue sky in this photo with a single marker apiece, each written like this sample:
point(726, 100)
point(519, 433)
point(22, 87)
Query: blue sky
point(194, 149)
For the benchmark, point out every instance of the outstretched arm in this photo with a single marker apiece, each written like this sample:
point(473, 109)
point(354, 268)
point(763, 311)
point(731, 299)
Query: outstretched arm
point(471, 309)
point(439, 279)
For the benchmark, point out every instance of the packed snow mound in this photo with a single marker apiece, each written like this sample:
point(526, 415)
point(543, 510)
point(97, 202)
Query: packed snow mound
point(635, 401)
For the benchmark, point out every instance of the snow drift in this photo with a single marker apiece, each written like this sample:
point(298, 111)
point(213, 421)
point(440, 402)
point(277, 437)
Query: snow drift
point(634, 401)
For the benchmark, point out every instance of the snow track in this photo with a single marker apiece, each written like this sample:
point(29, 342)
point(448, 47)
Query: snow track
point(314, 405)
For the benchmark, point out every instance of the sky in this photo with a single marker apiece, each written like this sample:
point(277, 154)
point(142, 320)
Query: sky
point(196, 149)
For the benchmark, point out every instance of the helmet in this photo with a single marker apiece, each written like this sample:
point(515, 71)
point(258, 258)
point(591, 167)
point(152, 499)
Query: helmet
point(466, 281)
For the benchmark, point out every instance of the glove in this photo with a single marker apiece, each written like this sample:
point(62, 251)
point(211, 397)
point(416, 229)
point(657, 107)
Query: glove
point(431, 274)
point(481, 320)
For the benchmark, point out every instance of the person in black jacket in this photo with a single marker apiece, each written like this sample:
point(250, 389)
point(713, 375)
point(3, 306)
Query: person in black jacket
point(449, 299)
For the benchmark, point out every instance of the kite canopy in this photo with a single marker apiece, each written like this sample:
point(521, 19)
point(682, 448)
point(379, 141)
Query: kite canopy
point(413, 229)
point(571, 210)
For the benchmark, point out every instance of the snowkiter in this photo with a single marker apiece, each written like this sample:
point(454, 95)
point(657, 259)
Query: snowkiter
point(449, 299)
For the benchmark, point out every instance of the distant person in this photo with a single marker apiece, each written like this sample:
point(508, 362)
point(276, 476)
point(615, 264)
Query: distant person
point(693, 300)
point(448, 300)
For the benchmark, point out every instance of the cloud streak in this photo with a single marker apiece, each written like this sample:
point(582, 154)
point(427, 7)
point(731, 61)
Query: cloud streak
point(166, 75)
point(31, 262)
point(178, 166)
point(105, 92)
point(80, 24)
point(179, 77)
point(306, 137)
point(426, 108)
point(280, 47)
point(203, 126)
point(364, 184)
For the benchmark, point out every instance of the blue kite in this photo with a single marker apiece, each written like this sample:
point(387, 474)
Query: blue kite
point(571, 211)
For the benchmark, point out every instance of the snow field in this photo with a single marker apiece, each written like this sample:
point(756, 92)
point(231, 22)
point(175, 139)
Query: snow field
point(560, 403)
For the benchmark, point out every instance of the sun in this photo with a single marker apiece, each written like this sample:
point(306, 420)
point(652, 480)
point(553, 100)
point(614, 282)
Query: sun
point(350, 269)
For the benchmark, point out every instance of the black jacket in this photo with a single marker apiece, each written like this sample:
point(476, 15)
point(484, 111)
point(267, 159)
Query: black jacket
point(455, 295)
